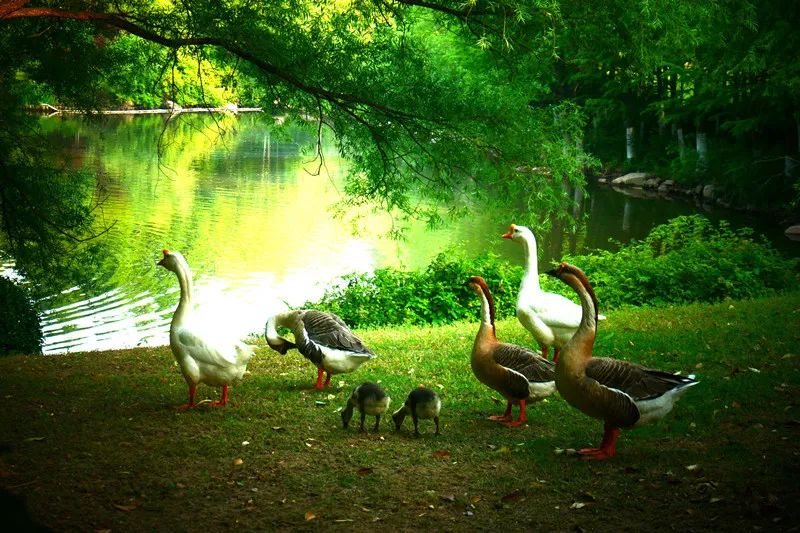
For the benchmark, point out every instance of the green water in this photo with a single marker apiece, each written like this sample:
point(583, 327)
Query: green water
point(245, 204)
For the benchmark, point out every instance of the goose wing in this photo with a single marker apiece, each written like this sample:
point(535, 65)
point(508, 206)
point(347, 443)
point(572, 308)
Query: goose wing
point(523, 368)
point(209, 351)
point(638, 382)
point(327, 329)
point(555, 310)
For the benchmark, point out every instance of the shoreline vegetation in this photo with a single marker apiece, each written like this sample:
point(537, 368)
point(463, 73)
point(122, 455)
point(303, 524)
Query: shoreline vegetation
point(92, 441)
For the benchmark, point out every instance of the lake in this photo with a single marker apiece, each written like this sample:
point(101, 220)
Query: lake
point(243, 202)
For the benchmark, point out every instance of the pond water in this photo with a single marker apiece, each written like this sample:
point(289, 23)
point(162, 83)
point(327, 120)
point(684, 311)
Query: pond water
point(256, 223)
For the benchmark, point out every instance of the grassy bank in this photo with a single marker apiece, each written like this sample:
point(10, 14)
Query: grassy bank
point(92, 442)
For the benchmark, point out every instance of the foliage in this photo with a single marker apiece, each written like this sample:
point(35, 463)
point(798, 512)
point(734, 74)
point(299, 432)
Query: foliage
point(688, 259)
point(436, 295)
point(20, 331)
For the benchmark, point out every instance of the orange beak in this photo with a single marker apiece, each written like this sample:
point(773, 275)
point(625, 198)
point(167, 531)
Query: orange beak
point(507, 235)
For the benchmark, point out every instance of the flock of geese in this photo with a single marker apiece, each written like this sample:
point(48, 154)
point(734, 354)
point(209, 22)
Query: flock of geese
point(621, 394)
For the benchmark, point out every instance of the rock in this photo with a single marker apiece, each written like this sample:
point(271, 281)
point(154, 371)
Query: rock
point(698, 190)
point(666, 186)
point(651, 183)
point(793, 232)
point(602, 180)
point(633, 179)
point(708, 191)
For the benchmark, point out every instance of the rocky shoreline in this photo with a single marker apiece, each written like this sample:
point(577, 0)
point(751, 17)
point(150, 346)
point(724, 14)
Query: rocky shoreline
point(644, 185)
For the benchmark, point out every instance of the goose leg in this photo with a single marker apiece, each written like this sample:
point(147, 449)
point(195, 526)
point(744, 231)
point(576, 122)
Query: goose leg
point(416, 424)
point(318, 385)
point(522, 418)
point(191, 404)
point(363, 416)
point(504, 417)
point(556, 353)
point(223, 399)
point(377, 422)
point(327, 379)
point(436, 421)
point(544, 350)
point(607, 447)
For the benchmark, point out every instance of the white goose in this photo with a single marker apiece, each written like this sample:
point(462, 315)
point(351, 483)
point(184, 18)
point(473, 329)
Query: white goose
point(322, 338)
point(202, 357)
point(551, 318)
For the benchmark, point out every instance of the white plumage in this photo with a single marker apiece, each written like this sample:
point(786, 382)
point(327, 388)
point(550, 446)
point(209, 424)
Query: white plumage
point(552, 319)
point(203, 353)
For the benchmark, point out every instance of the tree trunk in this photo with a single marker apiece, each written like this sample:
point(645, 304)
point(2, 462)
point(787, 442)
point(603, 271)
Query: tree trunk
point(702, 152)
point(629, 143)
point(681, 144)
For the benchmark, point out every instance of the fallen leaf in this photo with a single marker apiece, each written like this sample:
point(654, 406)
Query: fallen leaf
point(476, 499)
point(577, 505)
point(448, 497)
point(310, 516)
point(441, 454)
point(694, 468)
point(340, 520)
point(126, 508)
point(245, 443)
point(513, 496)
point(238, 461)
point(332, 397)
point(751, 369)
point(34, 439)
point(320, 402)
point(277, 428)
point(735, 404)
point(364, 470)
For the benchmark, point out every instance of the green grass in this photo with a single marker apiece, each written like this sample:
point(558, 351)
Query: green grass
point(92, 441)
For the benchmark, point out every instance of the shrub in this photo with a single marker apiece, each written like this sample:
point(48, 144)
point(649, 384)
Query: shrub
point(20, 331)
point(436, 295)
point(688, 259)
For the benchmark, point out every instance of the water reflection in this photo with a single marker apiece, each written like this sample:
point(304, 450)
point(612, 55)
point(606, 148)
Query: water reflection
point(237, 199)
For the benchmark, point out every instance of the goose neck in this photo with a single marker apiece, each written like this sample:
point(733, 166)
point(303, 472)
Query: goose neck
point(530, 279)
point(584, 337)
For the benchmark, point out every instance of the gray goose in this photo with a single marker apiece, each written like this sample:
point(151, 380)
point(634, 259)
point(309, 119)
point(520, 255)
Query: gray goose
point(322, 338)
point(622, 394)
point(422, 402)
point(370, 399)
point(520, 375)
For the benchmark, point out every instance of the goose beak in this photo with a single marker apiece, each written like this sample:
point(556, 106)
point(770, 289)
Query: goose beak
point(507, 235)
point(166, 253)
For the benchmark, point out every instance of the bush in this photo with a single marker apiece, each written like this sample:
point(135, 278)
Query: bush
point(436, 295)
point(20, 331)
point(688, 259)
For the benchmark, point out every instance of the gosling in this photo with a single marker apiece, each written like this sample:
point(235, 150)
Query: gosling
point(422, 402)
point(370, 399)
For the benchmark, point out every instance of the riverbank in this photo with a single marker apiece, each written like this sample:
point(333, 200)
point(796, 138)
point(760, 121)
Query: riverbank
point(91, 440)
point(649, 186)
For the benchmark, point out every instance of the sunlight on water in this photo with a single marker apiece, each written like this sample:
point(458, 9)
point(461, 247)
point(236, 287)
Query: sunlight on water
point(254, 223)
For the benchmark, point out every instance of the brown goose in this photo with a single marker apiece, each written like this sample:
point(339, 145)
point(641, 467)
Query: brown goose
point(622, 394)
point(322, 338)
point(517, 373)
